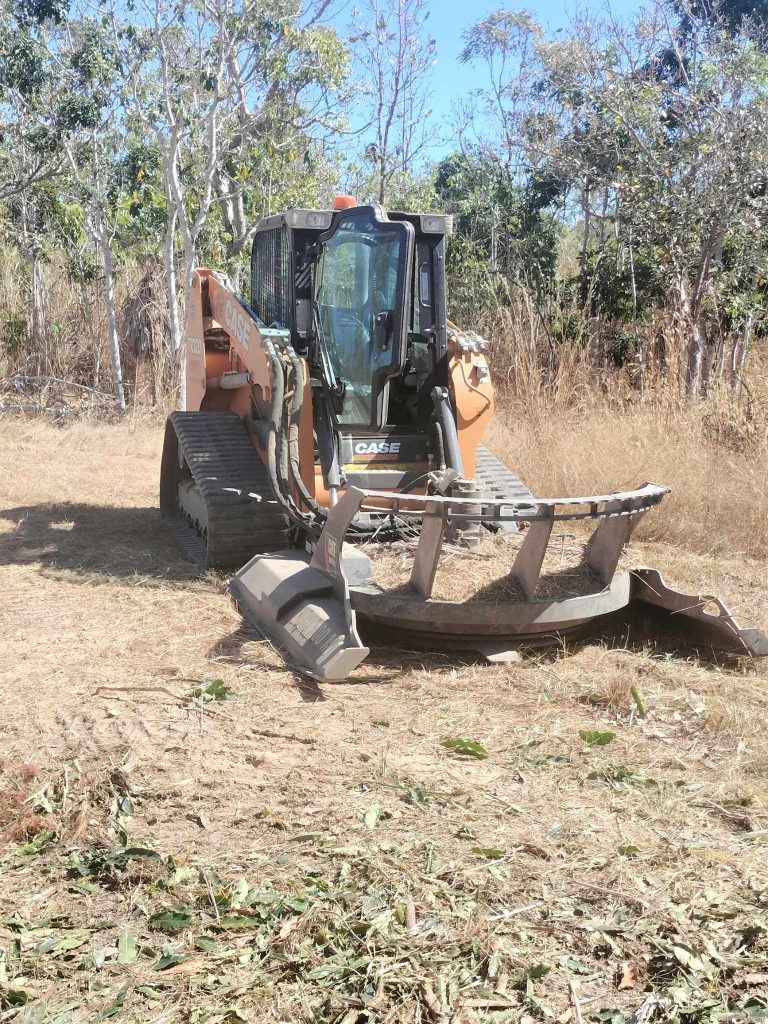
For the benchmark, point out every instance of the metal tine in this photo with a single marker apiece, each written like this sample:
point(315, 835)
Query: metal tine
point(428, 549)
point(612, 534)
point(530, 558)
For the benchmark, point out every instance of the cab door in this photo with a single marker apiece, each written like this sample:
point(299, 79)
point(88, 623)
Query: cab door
point(362, 287)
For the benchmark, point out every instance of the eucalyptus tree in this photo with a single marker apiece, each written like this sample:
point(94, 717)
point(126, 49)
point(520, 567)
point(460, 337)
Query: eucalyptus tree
point(32, 118)
point(29, 152)
point(213, 84)
point(44, 115)
point(673, 131)
point(88, 63)
point(503, 44)
point(656, 138)
point(394, 56)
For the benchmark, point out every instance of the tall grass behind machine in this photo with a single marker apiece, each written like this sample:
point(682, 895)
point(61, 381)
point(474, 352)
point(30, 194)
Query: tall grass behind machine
point(339, 409)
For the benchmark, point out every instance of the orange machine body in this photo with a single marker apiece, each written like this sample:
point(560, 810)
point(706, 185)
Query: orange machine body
point(227, 364)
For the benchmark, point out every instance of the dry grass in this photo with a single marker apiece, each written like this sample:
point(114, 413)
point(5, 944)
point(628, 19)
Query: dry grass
point(719, 500)
point(68, 368)
point(324, 856)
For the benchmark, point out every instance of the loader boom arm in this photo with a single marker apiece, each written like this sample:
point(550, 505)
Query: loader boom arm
point(215, 308)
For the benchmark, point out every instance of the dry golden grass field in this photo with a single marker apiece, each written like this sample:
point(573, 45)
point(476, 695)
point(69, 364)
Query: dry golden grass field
point(262, 848)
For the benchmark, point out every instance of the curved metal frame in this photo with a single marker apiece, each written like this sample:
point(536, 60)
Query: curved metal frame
point(616, 514)
point(308, 605)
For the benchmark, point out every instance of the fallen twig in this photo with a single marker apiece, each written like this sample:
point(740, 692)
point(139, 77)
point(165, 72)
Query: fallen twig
point(184, 698)
point(575, 1001)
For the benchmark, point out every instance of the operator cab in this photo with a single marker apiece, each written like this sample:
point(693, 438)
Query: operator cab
point(362, 292)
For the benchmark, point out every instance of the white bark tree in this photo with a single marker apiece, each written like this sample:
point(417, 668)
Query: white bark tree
point(84, 59)
point(205, 83)
point(395, 55)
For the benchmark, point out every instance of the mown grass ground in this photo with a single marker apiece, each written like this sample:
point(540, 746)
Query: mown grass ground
point(581, 836)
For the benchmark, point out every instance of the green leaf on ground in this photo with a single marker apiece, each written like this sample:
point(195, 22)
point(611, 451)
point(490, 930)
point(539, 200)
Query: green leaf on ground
point(465, 746)
point(229, 922)
point(170, 920)
point(149, 992)
point(14, 997)
point(170, 960)
point(595, 738)
point(372, 815)
point(217, 689)
point(41, 842)
point(114, 1008)
point(126, 948)
point(489, 852)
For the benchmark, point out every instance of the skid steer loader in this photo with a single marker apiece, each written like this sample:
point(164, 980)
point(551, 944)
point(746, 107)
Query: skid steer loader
point(340, 406)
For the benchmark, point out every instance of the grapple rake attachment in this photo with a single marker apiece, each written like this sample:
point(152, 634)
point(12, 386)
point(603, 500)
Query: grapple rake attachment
point(308, 605)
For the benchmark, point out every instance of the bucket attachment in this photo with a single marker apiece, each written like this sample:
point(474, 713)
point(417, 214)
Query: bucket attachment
point(309, 606)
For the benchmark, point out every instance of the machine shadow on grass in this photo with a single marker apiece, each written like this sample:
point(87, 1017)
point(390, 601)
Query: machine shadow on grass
point(234, 649)
point(103, 542)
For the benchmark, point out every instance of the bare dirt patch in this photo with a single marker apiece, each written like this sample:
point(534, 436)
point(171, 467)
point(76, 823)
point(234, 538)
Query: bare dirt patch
point(189, 831)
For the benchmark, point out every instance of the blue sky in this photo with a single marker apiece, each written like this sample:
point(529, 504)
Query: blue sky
point(448, 19)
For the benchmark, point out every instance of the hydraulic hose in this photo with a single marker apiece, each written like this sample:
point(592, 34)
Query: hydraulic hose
point(275, 423)
point(443, 416)
point(294, 457)
point(283, 456)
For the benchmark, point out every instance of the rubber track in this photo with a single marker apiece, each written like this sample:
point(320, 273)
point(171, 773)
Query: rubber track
point(497, 480)
point(243, 518)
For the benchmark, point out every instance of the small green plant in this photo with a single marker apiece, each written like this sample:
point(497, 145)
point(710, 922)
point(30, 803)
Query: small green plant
point(217, 689)
point(595, 738)
point(638, 701)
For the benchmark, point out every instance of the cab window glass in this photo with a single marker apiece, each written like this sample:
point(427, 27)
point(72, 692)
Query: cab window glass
point(357, 283)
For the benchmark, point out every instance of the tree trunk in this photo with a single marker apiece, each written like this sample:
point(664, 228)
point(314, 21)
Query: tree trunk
point(695, 367)
point(584, 256)
point(639, 348)
point(109, 300)
point(86, 304)
point(740, 353)
point(171, 287)
point(190, 264)
point(37, 322)
point(697, 345)
point(36, 328)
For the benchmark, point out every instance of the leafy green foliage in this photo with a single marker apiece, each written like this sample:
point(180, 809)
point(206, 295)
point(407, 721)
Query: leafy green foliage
point(216, 689)
point(108, 865)
point(44, 10)
point(23, 63)
point(170, 920)
point(504, 236)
